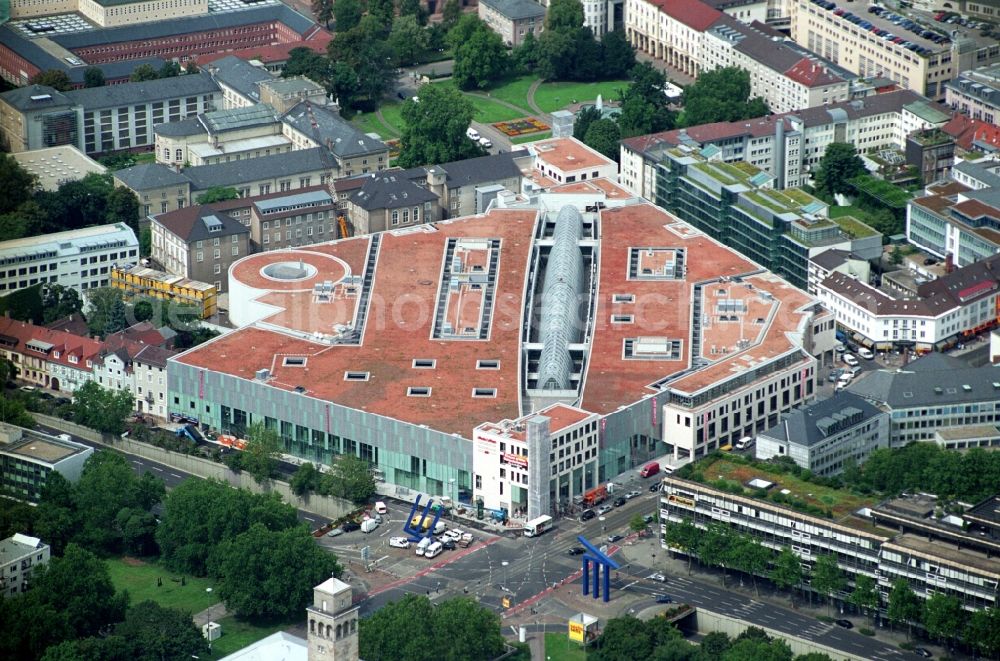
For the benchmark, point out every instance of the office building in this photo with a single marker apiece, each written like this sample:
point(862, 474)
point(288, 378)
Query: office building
point(353, 376)
point(954, 222)
point(139, 282)
point(976, 93)
point(19, 555)
point(566, 160)
point(780, 230)
point(286, 220)
point(937, 398)
point(513, 19)
point(822, 436)
point(55, 166)
point(28, 458)
point(79, 259)
point(37, 117)
point(316, 126)
point(897, 539)
point(872, 45)
point(835, 260)
point(199, 243)
point(787, 146)
point(71, 42)
point(390, 201)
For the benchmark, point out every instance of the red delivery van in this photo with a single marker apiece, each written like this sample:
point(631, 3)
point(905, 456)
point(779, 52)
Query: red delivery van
point(650, 469)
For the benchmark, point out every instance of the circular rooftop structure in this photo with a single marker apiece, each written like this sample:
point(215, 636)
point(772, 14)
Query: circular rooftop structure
point(289, 271)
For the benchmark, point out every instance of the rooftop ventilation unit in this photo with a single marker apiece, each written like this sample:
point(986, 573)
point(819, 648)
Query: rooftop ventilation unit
point(262, 375)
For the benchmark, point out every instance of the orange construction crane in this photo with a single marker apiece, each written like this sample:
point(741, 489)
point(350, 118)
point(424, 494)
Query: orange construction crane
point(343, 226)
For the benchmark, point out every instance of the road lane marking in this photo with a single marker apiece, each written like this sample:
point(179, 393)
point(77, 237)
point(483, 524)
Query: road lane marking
point(156, 468)
point(309, 518)
point(179, 477)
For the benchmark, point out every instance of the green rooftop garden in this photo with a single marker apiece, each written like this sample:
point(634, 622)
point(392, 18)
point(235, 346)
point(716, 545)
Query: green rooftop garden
point(713, 170)
point(854, 227)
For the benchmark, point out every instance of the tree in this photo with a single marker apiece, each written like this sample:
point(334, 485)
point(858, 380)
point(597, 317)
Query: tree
point(637, 523)
point(435, 128)
point(827, 578)
point(169, 69)
point(787, 570)
point(603, 135)
point(525, 56)
point(896, 256)
point(347, 13)
point(715, 644)
point(18, 184)
point(154, 632)
point(54, 78)
point(13, 413)
point(351, 479)
point(142, 310)
point(306, 479)
point(59, 302)
point(584, 119)
point(415, 9)
point(412, 628)
point(323, 10)
point(24, 305)
point(721, 95)
point(644, 107)
point(450, 14)
point(268, 573)
point(714, 547)
point(260, 458)
point(218, 194)
point(93, 77)
point(382, 11)
point(363, 56)
point(943, 616)
point(684, 537)
point(904, 606)
point(556, 54)
point(101, 408)
point(865, 595)
point(306, 62)
point(122, 207)
point(146, 241)
point(79, 585)
point(983, 631)
point(564, 14)
point(840, 164)
point(103, 310)
point(142, 73)
point(751, 557)
point(408, 40)
point(618, 55)
point(198, 515)
point(481, 60)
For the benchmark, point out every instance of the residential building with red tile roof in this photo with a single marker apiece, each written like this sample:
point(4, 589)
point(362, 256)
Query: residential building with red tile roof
point(670, 30)
point(48, 358)
point(398, 345)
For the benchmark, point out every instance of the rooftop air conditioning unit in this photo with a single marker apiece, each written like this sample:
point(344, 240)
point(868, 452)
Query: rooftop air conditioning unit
point(263, 374)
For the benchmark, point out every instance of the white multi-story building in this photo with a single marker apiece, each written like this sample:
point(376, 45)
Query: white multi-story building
point(670, 31)
point(562, 439)
point(19, 555)
point(565, 161)
point(78, 259)
point(149, 373)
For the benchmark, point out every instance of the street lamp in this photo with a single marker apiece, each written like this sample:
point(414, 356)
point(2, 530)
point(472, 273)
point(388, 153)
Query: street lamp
point(208, 591)
point(504, 565)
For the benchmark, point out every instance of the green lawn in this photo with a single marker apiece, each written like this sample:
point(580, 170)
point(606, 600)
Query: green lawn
point(541, 135)
point(368, 122)
point(558, 647)
point(140, 581)
point(488, 111)
point(857, 212)
point(556, 96)
point(515, 92)
point(145, 157)
point(237, 634)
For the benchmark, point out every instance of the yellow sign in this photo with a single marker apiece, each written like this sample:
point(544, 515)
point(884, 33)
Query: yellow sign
point(505, 602)
point(576, 631)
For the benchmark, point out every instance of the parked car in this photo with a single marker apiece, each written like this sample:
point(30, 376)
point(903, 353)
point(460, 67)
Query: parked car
point(664, 599)
point(448, 544)
point(336, 532)
point(587, 515)
point(604, 509)
point(485, 142)
point(621, 500)
point(614, 538)
point(850, 359)
point(399, 542)
point(834, 375)
point(472, 134)
point(350, 526)
point(633, 494)
point(922, 651)
point(576, 550)
point(845, 624)
point(654, 487)
point(649, 518)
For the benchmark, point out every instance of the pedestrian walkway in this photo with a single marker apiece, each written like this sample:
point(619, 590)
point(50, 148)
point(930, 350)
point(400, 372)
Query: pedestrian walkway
point(213, 613)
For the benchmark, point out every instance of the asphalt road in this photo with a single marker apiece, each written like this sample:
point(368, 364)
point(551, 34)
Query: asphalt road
point(171, 476)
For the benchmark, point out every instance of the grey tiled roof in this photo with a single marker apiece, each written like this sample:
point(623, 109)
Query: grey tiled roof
point(239, 75)
point(472, 171)
point(149, 176)
point(390, 190)
point(800, 425)
point(918, 383)
point(327, 127)
point(20, 98)
point(191, 223)
point(112, 96)
point(515, 9)
point(301, 161)
point(179, 129)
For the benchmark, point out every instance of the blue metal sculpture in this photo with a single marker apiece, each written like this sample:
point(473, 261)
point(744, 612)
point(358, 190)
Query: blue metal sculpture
point(593, 556)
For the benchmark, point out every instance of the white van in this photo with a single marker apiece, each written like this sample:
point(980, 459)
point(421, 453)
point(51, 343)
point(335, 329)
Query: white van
point(854, 371)
point(380, 507)
point(369, 525)
point(744, 443)
point(472, 134)
point(850, 359)
point(422, 546)
point(440, 527)
point(434, 550)
point(865, 353)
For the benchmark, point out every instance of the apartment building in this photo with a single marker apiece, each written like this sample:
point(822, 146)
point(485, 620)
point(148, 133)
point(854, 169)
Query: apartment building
point(787, 146)
point(835, 260)
point(199, 243)
point(137, 281)
point(880, 544)
point(779, 230)
point(513, 19)
point(943, 311)
point(875, 44)
point(53, 359)
point(79, 259)
point(976, 93)
point(149, 374)
point(19, 555)
point(822, 436)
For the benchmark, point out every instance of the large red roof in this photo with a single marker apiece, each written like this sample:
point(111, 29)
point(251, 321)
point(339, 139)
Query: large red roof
point(693, 13)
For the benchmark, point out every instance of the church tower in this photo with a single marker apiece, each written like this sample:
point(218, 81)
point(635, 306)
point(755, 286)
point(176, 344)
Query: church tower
point(333, 623)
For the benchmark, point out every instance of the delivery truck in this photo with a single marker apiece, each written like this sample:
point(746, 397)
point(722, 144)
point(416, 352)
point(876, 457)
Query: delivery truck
point(538, 526)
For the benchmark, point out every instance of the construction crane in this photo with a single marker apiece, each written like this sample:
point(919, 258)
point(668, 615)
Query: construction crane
point(342, 219)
